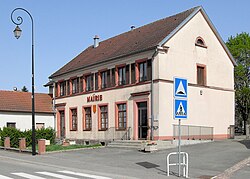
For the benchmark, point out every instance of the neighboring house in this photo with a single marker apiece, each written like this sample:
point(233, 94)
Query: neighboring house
point(16, 110)
point(124, 84)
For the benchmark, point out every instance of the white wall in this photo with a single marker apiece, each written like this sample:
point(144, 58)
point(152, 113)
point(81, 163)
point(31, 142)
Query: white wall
point(215, 107)
point(24, 120)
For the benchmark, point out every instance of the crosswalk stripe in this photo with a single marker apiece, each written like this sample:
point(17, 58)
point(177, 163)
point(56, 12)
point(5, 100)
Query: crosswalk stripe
point(56, 175)
point(4, 177)
point(84, 175)
point(25, 175)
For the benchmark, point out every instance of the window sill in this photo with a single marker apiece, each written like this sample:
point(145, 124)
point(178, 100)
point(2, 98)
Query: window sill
point(102, 129)
point(120, 129)
point(71, 130)
point(86, 129)
point(199, 45)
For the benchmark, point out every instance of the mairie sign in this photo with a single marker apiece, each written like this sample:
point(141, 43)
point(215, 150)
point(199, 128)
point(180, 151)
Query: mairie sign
point(180, 109)
point(180, 87)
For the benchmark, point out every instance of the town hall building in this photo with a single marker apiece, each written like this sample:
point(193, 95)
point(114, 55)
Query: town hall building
point(123, 87)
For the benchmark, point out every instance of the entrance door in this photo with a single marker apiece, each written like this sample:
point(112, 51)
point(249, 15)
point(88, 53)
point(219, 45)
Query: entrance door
point(142, 120)
point(62, 124)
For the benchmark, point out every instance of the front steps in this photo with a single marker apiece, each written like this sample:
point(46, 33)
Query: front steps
point(132, 144)
point(140, 144)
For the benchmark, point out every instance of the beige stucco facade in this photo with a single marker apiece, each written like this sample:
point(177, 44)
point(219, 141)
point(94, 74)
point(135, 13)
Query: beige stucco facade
point(210, 105)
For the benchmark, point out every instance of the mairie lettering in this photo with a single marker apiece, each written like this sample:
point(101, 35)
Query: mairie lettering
point(94, 98)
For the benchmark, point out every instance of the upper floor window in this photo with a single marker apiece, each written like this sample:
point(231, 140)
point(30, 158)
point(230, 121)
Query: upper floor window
point(68, 87)
point(112, 76)
point(63, 88)
point(104, 79)
point(75, 86)
point(89, 82)
point(145, 70)
point(201, 75)
point(133, 76)
point(122, 75)
point(200, 42)
point(96, 81)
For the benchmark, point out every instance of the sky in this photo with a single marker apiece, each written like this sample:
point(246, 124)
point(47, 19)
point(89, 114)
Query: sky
point(64, 28)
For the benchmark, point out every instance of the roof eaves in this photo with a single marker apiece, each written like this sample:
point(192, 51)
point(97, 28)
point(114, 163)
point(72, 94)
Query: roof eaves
point(180, 26)
point(218, 36)
point(113, 58)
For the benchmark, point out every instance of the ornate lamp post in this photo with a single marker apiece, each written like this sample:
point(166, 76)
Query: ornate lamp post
point(17, 33)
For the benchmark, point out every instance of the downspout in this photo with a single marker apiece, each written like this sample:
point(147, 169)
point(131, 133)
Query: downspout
point(152, 96)
point(157, 50)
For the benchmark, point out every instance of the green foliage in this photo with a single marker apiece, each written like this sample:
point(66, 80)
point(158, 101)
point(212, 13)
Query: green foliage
point(24, 89)
point(48, 134)
point(239, 47)
point(50, 148)
point(16, 134)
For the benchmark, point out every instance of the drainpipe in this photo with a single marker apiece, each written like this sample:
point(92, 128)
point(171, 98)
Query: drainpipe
point(157, 50)
point(152, 96)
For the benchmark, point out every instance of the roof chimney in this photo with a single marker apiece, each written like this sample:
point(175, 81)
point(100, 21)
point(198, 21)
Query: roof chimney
point(132, 27)
point(96, 41)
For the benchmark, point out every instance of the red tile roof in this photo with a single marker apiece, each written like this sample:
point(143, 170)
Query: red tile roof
point(134, 41)
point(17, 101)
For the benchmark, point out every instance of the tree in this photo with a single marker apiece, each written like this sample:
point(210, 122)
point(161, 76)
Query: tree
point(24, 89)
point(239, 46)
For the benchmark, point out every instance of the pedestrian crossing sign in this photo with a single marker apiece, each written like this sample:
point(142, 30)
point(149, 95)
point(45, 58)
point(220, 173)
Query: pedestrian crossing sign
point(180, 87)
point(180, 109)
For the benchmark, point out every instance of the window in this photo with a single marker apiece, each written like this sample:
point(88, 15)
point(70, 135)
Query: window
point(201, 75)
point(122, 76)
point(104, 78)
point(142, 71)
point(96, 81)
point(133, 77)
point(112, 81)
point(149, 69)
point(122, 116)
point(73, 119)
point(89, 82)
point(68, 87)
point(81, 84)
point(39, 125)
point(103, 117)
point(75, 86)
point(200, 42)
point(63, 88)
point(87, 119)
point(56, 90)
point(11, 124)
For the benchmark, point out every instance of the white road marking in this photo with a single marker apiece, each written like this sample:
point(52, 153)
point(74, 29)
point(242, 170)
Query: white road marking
point(25, 175)
point(84, 175)
point(4, 177)
point(56, 175)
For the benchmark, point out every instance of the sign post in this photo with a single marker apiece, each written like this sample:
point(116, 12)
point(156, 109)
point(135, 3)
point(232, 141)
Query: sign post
point(180, 110)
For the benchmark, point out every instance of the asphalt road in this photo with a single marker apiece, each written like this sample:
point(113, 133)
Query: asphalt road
point(228, 159)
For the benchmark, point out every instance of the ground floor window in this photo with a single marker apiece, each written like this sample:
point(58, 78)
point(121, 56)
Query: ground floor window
point(11, 124)
point(87, 120)
point(39, 125)
point(73, 119)
point(103, 117)
point(122, 115)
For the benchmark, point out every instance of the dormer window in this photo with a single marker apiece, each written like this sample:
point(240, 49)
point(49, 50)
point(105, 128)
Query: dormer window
point(200, 42)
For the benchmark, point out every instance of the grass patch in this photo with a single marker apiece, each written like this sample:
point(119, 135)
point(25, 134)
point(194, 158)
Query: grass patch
point(50, 148)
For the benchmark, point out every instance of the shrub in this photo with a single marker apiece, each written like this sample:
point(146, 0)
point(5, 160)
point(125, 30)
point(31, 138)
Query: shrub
point(16, 134)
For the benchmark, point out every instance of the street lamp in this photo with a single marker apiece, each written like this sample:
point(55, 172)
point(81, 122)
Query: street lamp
point(17, 33)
